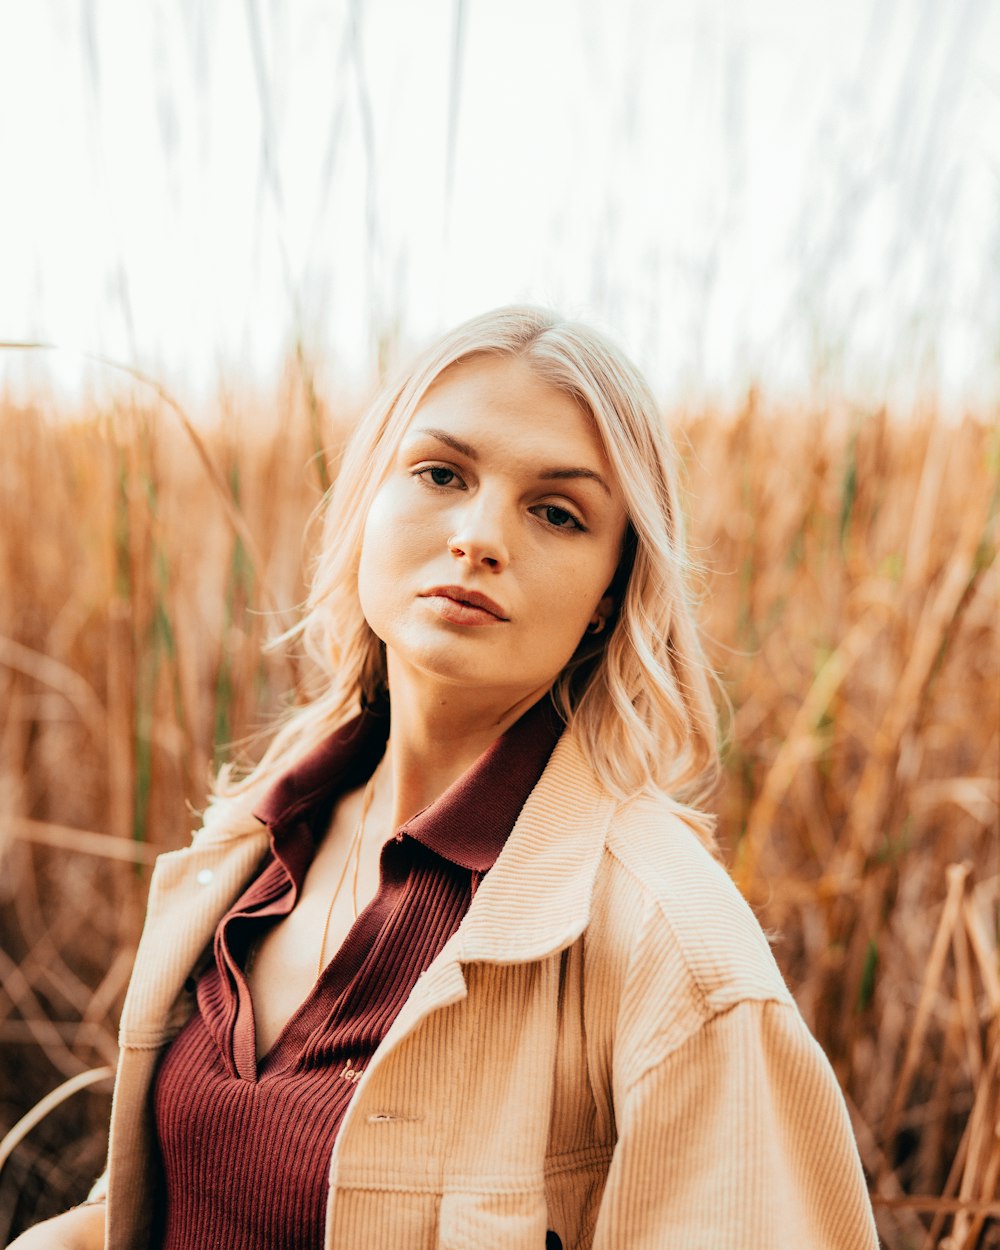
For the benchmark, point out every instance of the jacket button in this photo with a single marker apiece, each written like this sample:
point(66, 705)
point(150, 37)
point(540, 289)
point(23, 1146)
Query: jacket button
point(205, 877)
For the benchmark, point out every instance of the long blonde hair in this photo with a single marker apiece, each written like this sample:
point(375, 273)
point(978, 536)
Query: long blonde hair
point(638, 698)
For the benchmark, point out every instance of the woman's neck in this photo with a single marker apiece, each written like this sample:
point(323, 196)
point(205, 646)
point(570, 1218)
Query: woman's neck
point(438, 733)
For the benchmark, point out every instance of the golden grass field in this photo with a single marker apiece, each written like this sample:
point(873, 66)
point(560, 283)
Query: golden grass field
point(852, 599)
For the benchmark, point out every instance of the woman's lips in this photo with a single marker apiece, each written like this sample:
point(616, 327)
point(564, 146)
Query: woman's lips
point(464, 607)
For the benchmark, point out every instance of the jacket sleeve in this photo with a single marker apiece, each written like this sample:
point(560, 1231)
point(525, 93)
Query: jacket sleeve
point(738, 1138)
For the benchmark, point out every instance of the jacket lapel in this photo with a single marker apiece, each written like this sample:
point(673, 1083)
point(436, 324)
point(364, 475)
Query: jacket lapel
point(534, 902)
point(190, 889)
point(536, 899)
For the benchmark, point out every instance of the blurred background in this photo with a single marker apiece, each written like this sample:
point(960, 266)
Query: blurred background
point(223, 222)
point(776, 193)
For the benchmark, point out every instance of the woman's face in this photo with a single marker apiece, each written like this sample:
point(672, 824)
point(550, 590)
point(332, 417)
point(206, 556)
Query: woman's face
point(495, 535)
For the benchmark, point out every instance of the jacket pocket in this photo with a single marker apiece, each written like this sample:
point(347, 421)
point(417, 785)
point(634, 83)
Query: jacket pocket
point(501, 1221)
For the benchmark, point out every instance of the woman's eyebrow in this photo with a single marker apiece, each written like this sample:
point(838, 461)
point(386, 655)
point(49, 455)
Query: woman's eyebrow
point(548, 475)
point(588, 474)
point(449, 440)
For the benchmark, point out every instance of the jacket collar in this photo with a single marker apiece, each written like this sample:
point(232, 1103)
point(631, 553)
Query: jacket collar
point(534, 902)
point(536, 899)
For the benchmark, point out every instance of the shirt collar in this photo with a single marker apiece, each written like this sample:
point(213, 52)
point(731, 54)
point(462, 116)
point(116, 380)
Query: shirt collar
point(468, 824)
point(344, 761)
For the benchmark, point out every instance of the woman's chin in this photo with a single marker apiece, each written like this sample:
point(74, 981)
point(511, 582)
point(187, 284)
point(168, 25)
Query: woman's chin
point(450, 666)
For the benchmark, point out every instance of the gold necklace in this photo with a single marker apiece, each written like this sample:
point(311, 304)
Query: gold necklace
point(353, 852)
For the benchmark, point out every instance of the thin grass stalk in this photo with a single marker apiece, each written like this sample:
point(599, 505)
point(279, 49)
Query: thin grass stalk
point(853, 939)
point(83, 841)
point(82, 1080)
point(922, 658)
point(22, 995)
point(799, 744)
point(232, 512)
point(957, 875)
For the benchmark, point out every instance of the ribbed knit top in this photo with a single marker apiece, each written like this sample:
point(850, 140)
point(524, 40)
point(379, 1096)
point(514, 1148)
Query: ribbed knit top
point(245, 1146)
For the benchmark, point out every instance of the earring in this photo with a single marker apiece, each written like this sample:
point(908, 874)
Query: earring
point(596, 625)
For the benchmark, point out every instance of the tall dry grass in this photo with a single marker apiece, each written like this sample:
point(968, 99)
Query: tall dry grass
point(851, 596)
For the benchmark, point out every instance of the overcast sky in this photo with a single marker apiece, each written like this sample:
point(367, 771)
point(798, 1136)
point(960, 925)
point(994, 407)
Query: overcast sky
point(791, 191)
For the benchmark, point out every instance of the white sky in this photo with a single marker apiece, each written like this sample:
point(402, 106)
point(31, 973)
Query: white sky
point(795, 191)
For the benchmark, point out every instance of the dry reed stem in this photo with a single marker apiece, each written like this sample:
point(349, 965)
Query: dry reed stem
point(920, 546)
point(935, 1111)
point(957, 875)
point(119, 664)
point(942, 1206)
point(976, 1213)
point(95, 1037)
point(932, 628)
point(950, 1189)
point(230, 507)
point(41, 1109)
point(966, 998)
point(890, 1193)
point(43, 668)
point(831, 548)
point(979, 1142)
point(981, 1159)
point(985, 950)
point(20, 993)
point(799, 744)
point(104, 845)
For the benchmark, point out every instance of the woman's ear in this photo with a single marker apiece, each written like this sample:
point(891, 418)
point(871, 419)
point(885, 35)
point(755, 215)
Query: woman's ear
point(601, 615)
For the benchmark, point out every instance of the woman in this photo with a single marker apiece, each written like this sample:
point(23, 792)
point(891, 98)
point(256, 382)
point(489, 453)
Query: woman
point(465, 973)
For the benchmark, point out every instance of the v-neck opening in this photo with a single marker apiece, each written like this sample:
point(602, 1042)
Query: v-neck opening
point(332, 988)
point(455, 840)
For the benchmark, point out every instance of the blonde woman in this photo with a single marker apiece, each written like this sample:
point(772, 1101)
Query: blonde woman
point(455, 966)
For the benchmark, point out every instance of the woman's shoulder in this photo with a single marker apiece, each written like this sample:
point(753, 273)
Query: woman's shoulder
point(663, 897)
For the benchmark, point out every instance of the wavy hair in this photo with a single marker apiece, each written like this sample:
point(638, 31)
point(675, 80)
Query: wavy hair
point(638, 697)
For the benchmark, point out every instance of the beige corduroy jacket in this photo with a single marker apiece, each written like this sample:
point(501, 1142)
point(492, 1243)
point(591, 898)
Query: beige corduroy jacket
point(605, 1050)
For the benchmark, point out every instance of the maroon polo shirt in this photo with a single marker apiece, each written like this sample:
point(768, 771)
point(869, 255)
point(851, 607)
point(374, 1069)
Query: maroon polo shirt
point(245, 1145)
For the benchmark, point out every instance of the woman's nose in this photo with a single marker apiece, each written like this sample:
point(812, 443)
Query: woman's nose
point(479, 538)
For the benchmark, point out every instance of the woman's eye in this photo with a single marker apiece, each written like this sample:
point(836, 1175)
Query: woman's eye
point(560, 518)
point(439, 475)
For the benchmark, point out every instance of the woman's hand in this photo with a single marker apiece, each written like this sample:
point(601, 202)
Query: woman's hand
point(82, 1228)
